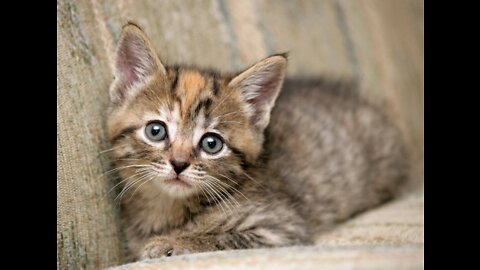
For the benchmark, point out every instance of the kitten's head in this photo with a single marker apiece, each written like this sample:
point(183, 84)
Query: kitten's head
point(184, 130)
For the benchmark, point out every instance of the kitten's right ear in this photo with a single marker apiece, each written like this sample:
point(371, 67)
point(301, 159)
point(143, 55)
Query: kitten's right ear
point(260, 85)
point(135, 61)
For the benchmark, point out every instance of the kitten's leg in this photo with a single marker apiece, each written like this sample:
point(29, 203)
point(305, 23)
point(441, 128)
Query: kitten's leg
point(271, 225)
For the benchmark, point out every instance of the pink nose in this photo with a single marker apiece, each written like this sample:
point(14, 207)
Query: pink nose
point(179, 165)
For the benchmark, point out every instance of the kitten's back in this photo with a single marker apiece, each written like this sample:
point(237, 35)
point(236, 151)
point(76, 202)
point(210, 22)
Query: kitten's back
point(331, 151)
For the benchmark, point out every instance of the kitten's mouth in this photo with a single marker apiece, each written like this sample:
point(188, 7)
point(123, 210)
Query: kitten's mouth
point(178, 182)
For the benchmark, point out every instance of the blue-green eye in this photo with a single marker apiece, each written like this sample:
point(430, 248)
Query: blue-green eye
point(211, 143)
point(156, 131)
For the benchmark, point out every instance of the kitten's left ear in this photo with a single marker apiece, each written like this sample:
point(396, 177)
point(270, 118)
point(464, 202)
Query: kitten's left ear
point(135, 61)
point(260, 86)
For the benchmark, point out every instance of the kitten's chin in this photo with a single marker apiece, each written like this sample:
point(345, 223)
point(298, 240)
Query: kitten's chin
point(178, 188)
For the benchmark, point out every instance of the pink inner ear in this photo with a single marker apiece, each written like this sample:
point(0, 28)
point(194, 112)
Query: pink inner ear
point(129, 59)
point(126, 68)
point(134, 61)
point(266, 91)
point(126, 74)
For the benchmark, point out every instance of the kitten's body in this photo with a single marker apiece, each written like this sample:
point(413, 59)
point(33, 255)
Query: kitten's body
point(324, 157)
point(332, 152)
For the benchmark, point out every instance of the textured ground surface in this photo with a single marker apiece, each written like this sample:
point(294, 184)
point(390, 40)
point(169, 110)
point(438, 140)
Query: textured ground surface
point(389, 237)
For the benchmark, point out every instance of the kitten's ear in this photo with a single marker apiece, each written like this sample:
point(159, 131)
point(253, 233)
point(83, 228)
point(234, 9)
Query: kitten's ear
point(260, 85)
point(135, 60)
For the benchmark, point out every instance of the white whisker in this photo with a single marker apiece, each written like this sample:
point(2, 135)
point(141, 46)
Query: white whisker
point(211, 195)
point(219, 201)
point(152, 176)
point(227, 199)
point(130, 185)
point(127, 159)
point(230, 186)
point(111, 149)
point(125, 167)
point(137, 173)
point(231, 197)
point(223, 197)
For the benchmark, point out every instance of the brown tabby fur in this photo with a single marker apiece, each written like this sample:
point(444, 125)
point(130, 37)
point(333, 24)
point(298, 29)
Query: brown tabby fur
point(322, 156)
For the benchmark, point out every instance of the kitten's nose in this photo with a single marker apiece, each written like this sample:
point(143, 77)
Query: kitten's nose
point(179, 165)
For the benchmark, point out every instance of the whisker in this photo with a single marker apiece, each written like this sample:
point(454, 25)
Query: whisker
point(152, 176)
point(223, 183)
point(136, 181)
point(204, 194)
point(127, 159)
point(230, 198)
point(129, 186)
point(228, 178)
point(219, 201)
point(137, 173)
point(224, 213)
point(125, 167)
point(111, 149)
point(223, 196)
point(211, 195)
point(251, 178)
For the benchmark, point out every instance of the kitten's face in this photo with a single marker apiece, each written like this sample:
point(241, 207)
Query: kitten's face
point(184, 131)
point(188, 128)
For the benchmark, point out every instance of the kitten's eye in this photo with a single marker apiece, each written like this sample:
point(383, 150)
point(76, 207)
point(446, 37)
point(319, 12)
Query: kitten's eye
point(211, 143)
point(156, 131)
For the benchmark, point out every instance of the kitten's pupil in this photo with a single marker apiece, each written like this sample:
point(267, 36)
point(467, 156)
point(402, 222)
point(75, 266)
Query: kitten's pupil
point(211, 142)
point(155, 130)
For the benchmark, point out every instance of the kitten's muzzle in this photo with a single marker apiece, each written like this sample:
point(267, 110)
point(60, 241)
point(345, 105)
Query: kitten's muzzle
point(179, 165)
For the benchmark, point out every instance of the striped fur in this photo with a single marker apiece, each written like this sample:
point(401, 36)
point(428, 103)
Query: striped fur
point(285, 171)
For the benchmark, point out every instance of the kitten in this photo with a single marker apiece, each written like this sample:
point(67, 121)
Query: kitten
point(207, 162)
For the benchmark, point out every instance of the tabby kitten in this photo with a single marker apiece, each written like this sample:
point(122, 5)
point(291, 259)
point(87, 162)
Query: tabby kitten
point(207, 162)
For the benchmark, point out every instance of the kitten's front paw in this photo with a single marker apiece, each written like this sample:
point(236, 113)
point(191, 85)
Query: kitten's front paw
point(163, 247)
